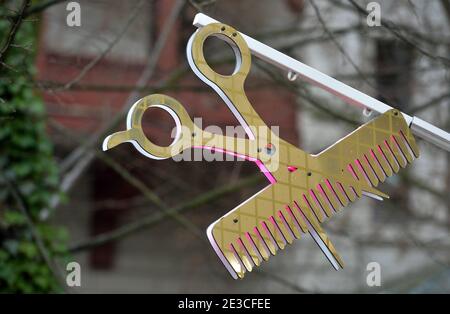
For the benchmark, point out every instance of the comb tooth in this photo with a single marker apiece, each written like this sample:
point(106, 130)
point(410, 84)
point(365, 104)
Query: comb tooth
point(244, 255)
point(274, 238)
point(252, 252)
point(321, 196)
point(376, 168)
point(378, 155)
point(289, 224)
point(268, 239)
point(330, 197)
point(397, 153)
point(306, 213)
point(359, 172)
point(352, 171)
point(313, 207)
point(368, 171)
point(387, 153)
point(320, 199)
point(261, 244)
point(284, 229)
point(400, 143)
point(298, 210)
point(322, 239)
point(411, 142)
point(357, 191)
point(238, 265)
point(341, 198)
point(283, 234)
point(300, 224)
point(351, 196)
point(253, 249)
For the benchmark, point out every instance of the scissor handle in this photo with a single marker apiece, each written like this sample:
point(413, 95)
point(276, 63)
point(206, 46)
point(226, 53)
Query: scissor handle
point(187, 134)
point(135, 135)
point(229, 87)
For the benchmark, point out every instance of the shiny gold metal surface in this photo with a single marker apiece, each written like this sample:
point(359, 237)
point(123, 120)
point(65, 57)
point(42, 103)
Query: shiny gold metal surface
point(304, 189)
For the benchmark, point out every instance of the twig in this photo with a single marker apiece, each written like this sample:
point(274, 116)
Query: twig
point(139, 185)
point(275, 77)
point(78, 154)
point(152, 219)
point(18, 18)
point(93, 63)
point(446, 5)
point(391, 27)
point(41, 6)
point(432, 102)
point(337, 44)
point(51, 264)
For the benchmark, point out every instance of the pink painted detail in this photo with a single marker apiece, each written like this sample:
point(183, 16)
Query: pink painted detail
point(373, 154)
point(363, 171)
point(352, 171)
point(392, 152)
point(398, 147)
point(292, 168)
point(286, 225)
point(258, 162)
point(297, 224)
point(261, 238)
point(270, 235)
point(253, 244)
point(385, 158)
point(237, 257)
point(314, 196)
point(378, 162)
point(371, 168)
point(277, 228)
point(326, 196)
point(328, 183)
point(246, 252)
point(341, 187)
point(310, 207)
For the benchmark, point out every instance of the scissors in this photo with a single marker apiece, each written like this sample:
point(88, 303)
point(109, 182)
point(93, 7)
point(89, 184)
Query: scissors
point(303, 189)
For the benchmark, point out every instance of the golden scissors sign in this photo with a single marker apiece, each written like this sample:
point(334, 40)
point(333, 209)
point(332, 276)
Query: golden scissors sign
point(303, 189)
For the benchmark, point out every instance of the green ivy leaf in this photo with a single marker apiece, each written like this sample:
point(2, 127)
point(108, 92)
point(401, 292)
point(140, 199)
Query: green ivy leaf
point(14, 218)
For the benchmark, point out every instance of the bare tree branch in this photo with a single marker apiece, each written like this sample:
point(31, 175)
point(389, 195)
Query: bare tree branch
point(45, 255)
point(152, 219)
point(15, 25)
point(131, 18)
point(337, 44)
point(82, 151)
point(391, 27)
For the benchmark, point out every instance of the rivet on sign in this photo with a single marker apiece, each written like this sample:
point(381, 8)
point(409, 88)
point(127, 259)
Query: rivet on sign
point(270, 149)
point(292, 76)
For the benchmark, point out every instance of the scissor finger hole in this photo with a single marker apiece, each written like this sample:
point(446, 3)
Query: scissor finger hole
point(160, 126)
point(176, 134)
point(218, 49)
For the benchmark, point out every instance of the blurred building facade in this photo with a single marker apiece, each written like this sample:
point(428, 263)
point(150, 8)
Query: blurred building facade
point(166, 257)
